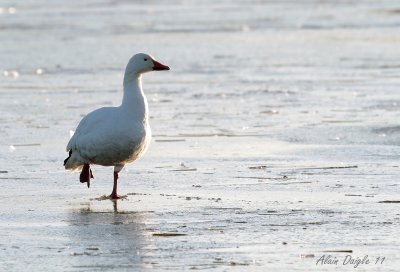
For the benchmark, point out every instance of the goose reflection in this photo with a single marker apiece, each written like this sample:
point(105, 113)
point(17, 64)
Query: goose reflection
point(104, 239)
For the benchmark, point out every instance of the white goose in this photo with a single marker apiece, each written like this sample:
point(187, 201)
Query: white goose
point(114, 136)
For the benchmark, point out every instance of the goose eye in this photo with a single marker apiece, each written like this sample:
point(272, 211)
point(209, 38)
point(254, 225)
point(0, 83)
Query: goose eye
point(145, 59)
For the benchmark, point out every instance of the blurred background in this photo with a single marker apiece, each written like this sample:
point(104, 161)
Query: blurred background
point(276, 132)
point(276, 68)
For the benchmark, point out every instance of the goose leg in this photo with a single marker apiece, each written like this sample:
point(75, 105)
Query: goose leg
point(86, 175)
point(114, 194)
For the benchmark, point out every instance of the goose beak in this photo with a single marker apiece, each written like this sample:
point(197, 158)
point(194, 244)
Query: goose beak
point(159, 66)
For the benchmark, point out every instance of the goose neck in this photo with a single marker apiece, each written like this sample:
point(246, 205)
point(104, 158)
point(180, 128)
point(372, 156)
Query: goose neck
point(134, 101)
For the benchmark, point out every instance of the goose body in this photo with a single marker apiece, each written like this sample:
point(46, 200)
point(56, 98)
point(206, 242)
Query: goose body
point(115, 136)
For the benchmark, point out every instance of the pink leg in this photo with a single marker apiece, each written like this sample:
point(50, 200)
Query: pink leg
point(86, 175)
point(114, 194)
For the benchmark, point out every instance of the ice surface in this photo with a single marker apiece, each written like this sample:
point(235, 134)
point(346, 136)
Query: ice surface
point(276, 135)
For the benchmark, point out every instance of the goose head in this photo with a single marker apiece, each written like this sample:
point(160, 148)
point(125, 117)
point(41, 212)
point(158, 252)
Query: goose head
point(143, 63)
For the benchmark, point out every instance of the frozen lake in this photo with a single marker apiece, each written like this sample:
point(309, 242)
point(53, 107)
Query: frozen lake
point(276, 135)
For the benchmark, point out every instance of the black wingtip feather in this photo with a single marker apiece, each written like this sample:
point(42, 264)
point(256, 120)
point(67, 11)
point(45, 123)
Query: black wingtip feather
point(69, 156)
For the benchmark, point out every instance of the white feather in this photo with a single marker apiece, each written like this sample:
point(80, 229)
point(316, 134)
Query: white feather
point(114, 136)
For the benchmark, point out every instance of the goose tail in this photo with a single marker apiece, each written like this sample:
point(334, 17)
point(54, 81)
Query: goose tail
point(73, 162)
